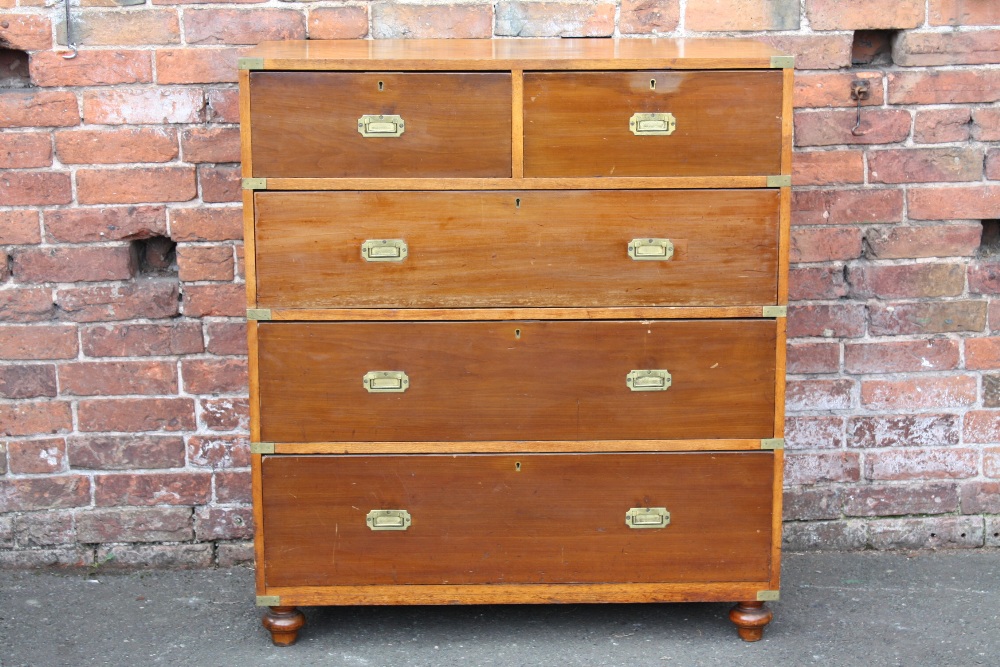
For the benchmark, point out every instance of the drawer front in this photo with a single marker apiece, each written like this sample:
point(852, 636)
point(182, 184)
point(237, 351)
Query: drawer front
point(532, 248)
point(549, 380)
point(724, 123)
point(517, 519)
point(306, 124)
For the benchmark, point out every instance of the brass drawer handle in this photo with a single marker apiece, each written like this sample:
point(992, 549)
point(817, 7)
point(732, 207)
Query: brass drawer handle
point(386, 382)
point(388, 520)
point(648, 380)
point(646, 124)
point(647, 517)
point(384, 250)
point(372, 125)
point(646, 250)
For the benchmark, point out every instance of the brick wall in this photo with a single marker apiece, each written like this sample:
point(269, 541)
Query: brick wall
point(123, 409)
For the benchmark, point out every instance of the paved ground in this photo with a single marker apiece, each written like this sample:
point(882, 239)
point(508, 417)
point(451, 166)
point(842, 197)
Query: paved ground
point(874, 610)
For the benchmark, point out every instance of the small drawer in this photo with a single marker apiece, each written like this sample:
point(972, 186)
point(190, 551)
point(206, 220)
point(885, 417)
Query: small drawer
point(652, 123)
point(516, 249)
point(506, 519)
point(541, 380)
point(380, 125)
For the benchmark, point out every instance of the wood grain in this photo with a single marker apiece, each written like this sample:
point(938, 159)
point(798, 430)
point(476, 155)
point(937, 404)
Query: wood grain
point(516, 446)
point(623, 183)
point(517, 519)
point(484, 314)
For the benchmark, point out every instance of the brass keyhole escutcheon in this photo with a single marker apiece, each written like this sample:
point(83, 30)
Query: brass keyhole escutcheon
point(652, 84)
point(517, 333)
point(517, 466)
point(381, 86)
point(517, 203)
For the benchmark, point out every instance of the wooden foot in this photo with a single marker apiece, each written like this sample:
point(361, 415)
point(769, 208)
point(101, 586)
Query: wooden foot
point(750, 619)
point(283, 623)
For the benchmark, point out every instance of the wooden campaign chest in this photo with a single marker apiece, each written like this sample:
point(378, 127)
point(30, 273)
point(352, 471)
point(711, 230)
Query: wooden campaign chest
point(516, 321)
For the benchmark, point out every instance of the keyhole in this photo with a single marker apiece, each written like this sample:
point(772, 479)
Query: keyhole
point(517, 466)
point(652, 84)
point(380, 86)
point(517, 203)
point(517, 333)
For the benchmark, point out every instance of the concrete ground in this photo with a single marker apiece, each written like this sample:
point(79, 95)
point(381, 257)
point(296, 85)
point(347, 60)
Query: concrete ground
point(870, 609)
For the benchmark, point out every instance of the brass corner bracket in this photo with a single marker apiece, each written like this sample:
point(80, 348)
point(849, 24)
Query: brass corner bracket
point(774, 311)
point(258, 313)
point(261, 183)
point(772, 443)
point(268, 601)
point(262, 448)
point(768, 596)
point(782, 62)
point(779, 181)
point(258, 63)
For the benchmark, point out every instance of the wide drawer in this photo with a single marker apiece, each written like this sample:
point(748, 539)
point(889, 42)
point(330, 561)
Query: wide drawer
point(532, 380)
point(306, 124)
point(529, 248)
point(721, 123)
point(516, 519)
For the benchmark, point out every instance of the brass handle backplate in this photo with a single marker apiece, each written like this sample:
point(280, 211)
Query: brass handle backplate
point(650, 250)
point(647, 517)
point(384, 250)
point(372, 125)
point(649, 380)
point(645, 124)
point(386, 382)
point(388, 520)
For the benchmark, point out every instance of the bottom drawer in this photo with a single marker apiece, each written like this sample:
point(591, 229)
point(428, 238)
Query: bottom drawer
point(538, 518)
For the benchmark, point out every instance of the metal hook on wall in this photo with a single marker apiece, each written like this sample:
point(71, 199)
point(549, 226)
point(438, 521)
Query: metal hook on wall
point(70, 42)
point(859, 91)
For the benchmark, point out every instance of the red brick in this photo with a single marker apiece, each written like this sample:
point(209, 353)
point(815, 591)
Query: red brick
point(35, 418)
point(963, 12)
point(214, 376)
point(824, 244)
point(980, 498)
point(993, 164)
point(217, 65)
point(135, 28)
point(944, 86)
point(3, 471)
point(927, 318)
point(19, 227)
point(37, 456)
point(392, 20)
point(126, 452)
point(108, 223)
point(924, 392)
point(35, 529)
point(984, 277)
point(143, 106)
point(829, 128)
point(222, 105)
point(27, 380)
point(225, 414)
point(24, 150)
point(220, 184)
point(219, 451)
point(515, 18)
point(233, 486)
point(91, 68)
point(825, 282)
point(44, 493)
point(223, 523)
point(930, 49)
point(226, 300)
point(146, 298)
point(116, 146)
point(135, 524)
point(133, 340)
point(906, 280)
point(69, 265)
point(136, 414)
point(813, 357)
point(828, 321)
point(129, 557)
point(982, 426)
point(35, 188)
point(38, 342)
point(991, 462)
point(813, 504)
point(203, 223)
point(828, 167)
point(43, 108)
point(824, 536)
point(138, 185)
point(833, 89)
point(242, 26)
point(118, 378)
point(934, 126)
point(924, 430)
point(226, 338)
point(926, 165)
point(864, 14)
point(818, 467)
point(901, 356)
point(933, 533)
point(731, 15)
point(200, 262)
point(202, 2)
point(954, 203)
point(986, 124)
point(902, 464)
point(982, 353)
point(813, 395)
point(338, 23)
point(211, 144)
point(814, 432)
point(885, 500)
point(994, 316)
point(648, 17)
point(25, 32)
point(846, 207)
point(181, 488)
point(951, 240)
point(813, 51)
point(31, 304)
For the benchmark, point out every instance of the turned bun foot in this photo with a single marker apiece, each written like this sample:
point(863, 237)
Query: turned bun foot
point(283, 623)
point(750, 619)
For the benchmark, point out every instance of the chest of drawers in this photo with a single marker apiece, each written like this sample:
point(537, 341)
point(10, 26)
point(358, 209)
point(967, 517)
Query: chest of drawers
point(516, 321)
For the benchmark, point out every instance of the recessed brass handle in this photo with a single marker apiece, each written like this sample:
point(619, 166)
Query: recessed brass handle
point(388, 520)
point(384, 250)
point(646, 250)
point(386, 382)
point(647, 517)
point(372, 125)
point(645, 124)
point(649, 380)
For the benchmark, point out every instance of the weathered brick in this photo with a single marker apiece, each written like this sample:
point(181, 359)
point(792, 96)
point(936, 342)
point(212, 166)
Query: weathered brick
point(38, 342)
point(19, 227)
point(925, 165)
point(812, 395)
point(905, 464)
point(200, 262)
point(994, 316)
point(731, 15)
point(39, 529)
point(833, 89)
point(906, 280)
point(24, 150)
point(217, 65)
point(991, 462)
point(901, 356)
point(824, 536)
point(211, 144)
point(982, 426)
point(515, 18)
point(824, 244)
point(225, 338)
point(143, 106)
point(44, 493)
point(135, 524)
point(130, 340)
point(829, 321)
point(41, 108)
point(885, 500)
point(814, 432)
point(136, 28)
point(223, 523)
point(27, 380)
point(963, 12)
point(992, 531)
point(929, 49)
point(815, 51)
point(91, 68)
point(891, 319)
point(47, 455)
point(954, 203)
point(203, 223)
point(991, 390)
point(155, 556)
point(984, 277)
point(233, 554)
point(125, 452)
point(117, 378)
point(932, 533)
point(214, 376)
point(136, 414)
point(338, 23)
point(818, 467)
point(897, 242)
point(222, 105)
point(944, 86)
point(982, 353)
point(116, 146)
point(986, 124)
point(25, 32)
point(233, 486)
point(864, 14)
point(225, 414)
point(220, 184)
point(35, 188)
point(824, 282)
point(68, 265)
point(813, 357)
point(159, 488)
point(830, 167)
point(919, 392)
point(393, 20)
point(980, 498)
point(846, 207)
point(993, 164)
point(812, 503)
point(107, 223)
point(30, 304)
point(219, 451)
point(222, 300)
point(35, 418)
point(242, 26)
point(648, 17)
point(31, 559)
point(829, 128)
point(138, 185)
point(202, 2)
point(144, 298)
point(933, 126)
